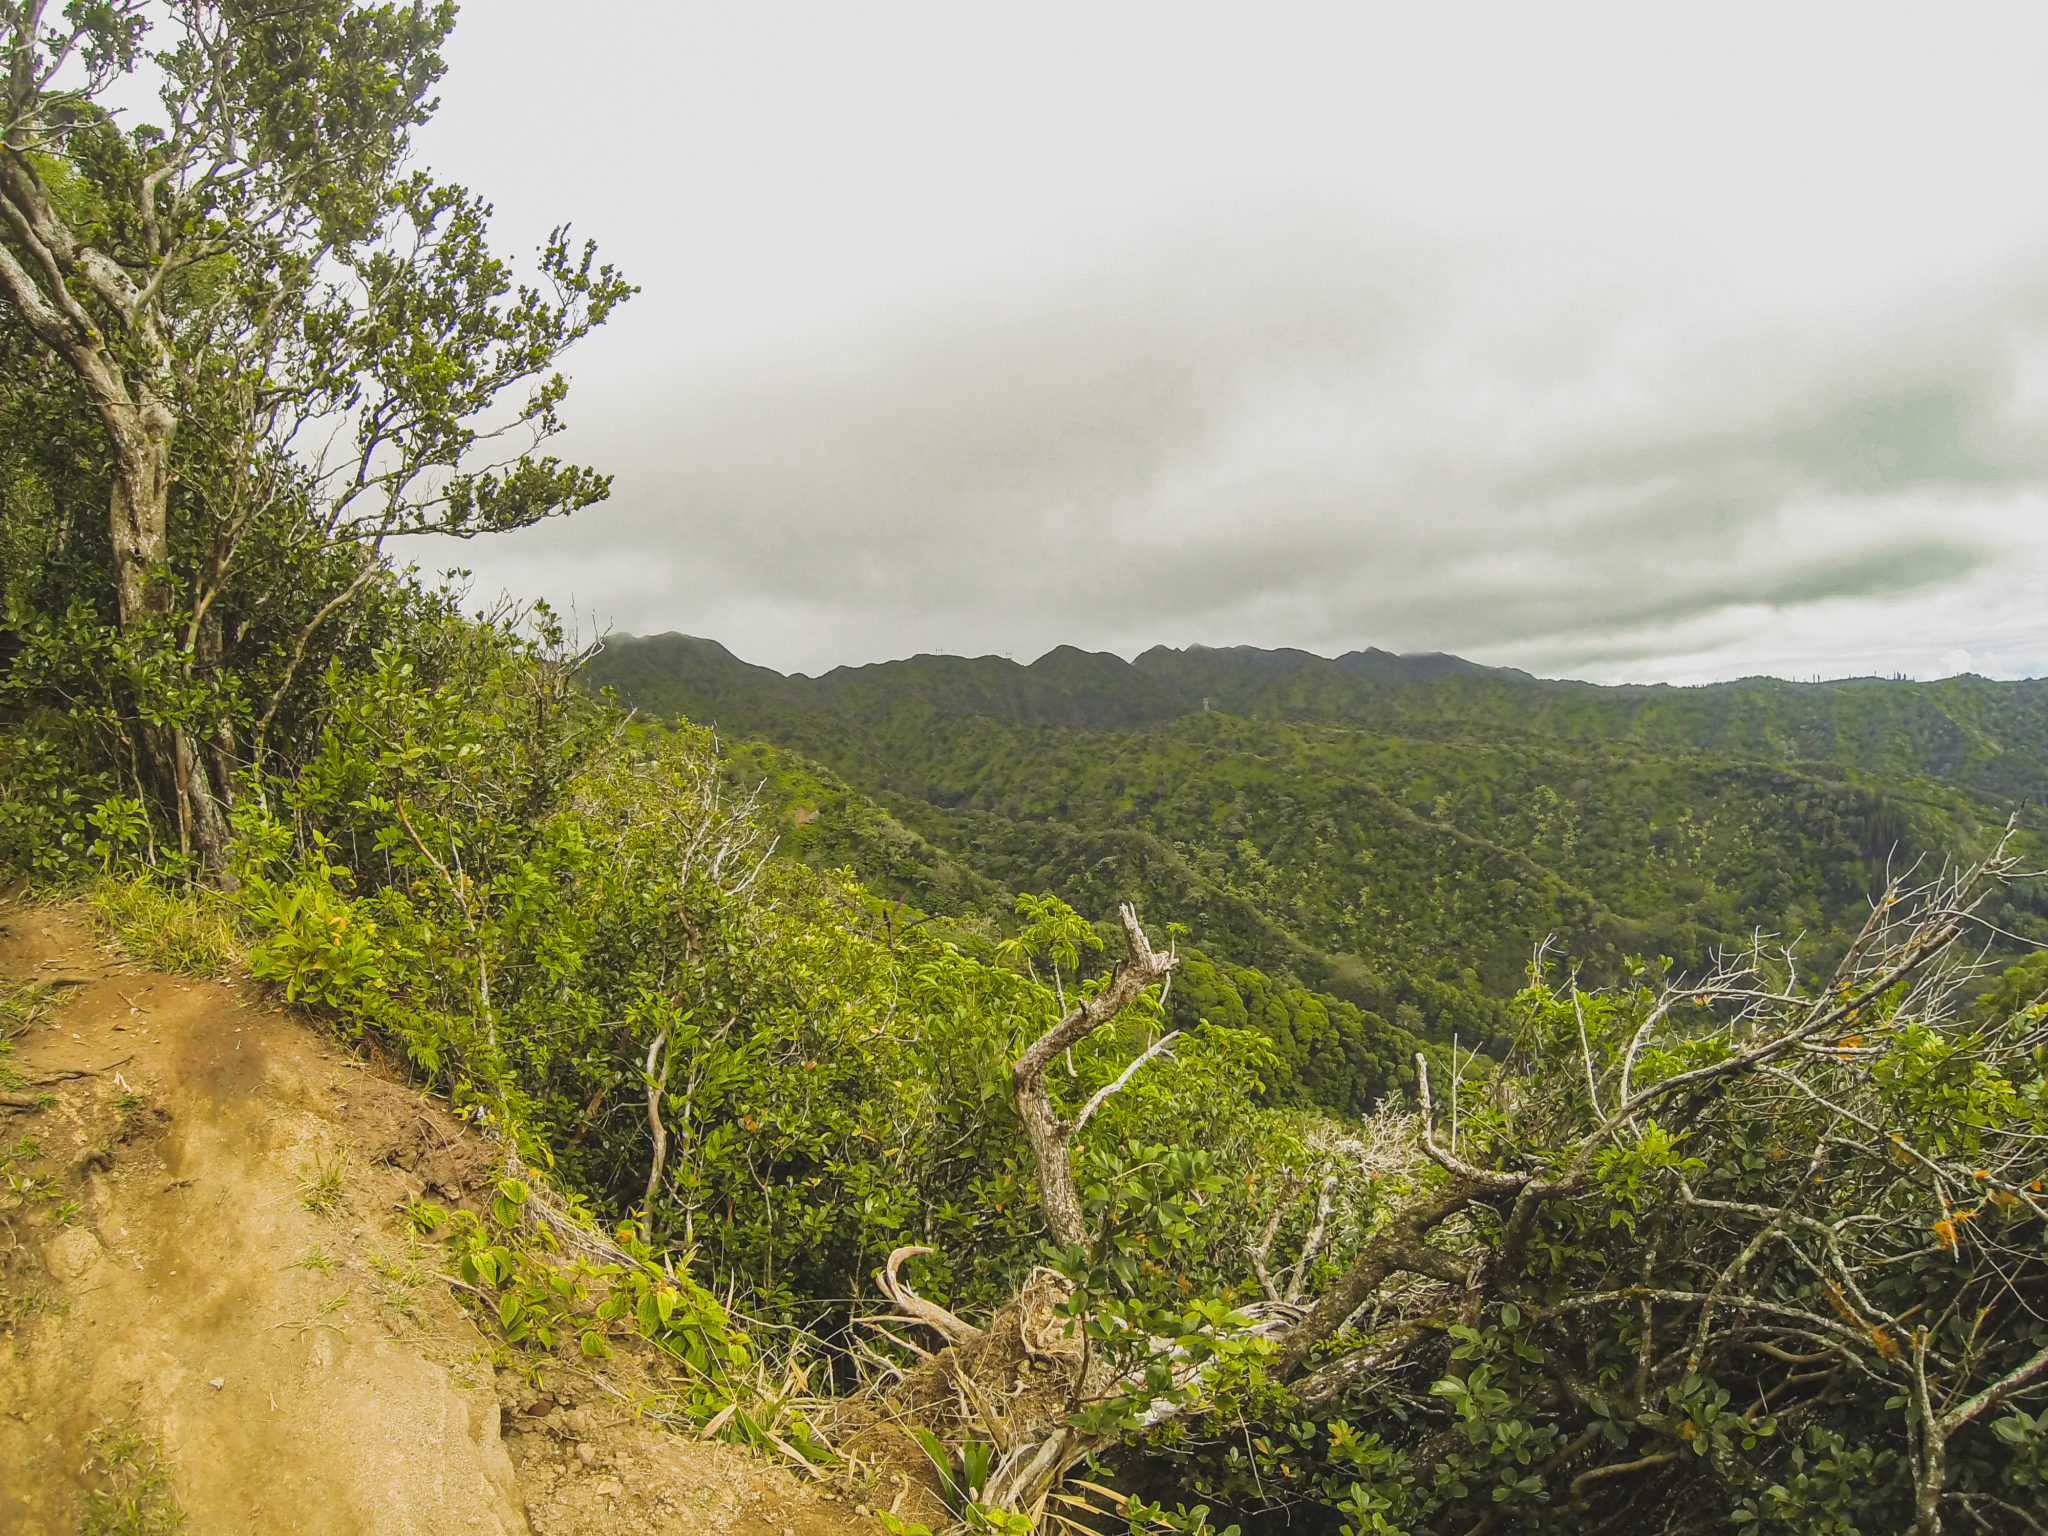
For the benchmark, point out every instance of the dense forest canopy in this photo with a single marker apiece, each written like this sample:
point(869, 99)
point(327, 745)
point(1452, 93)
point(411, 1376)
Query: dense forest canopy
point(1402, 870)
point(1988, 736)
point(1380, 1095)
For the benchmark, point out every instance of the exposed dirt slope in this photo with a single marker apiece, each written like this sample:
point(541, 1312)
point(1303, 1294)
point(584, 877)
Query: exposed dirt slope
point(178, 1261)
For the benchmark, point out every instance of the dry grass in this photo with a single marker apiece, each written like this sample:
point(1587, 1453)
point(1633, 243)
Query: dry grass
point(190, 932)
point(321, 1189)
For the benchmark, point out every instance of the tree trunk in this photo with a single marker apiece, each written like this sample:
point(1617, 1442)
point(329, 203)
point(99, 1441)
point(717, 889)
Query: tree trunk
point(146, 594)
point(138, 517)
point(74, 296)
point(1058, 1195)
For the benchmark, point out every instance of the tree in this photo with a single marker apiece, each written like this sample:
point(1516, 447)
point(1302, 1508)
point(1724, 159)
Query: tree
point(295, 346)
point(1757, 1250)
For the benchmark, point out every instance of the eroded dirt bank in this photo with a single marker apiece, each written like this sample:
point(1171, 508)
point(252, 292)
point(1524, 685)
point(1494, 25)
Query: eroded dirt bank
point(202, 1254)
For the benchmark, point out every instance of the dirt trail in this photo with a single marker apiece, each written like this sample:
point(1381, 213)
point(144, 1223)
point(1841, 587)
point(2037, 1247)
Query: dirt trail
point(171, 1264)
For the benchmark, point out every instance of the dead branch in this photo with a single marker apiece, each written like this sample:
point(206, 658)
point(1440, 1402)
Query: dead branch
point(1402, 1244)
point(1262, 1248)
point(1048, 1134)
point(915, 1307)
point(70, 1072)
point(1323, 1385)
point(654, 1091)
point(1313, 1243)
point(1159, 1047)
point(896, 1339)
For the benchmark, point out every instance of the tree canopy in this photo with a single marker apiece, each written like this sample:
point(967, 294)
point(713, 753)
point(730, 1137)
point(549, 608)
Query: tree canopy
point(294, 347)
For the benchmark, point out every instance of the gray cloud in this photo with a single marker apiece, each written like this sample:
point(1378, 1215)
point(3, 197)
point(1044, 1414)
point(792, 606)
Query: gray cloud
point(1293, 432)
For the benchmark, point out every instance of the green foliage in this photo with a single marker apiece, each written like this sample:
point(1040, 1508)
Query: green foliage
point(825, 824)
point(556, 915)
point(541, 1298)
point(1149, 1296)
point(265, 344)
point(320, 1190)
point(23, 1005)
point(1324, 1050)
point(2018, 987)
point(960, 1480)
point(169, 926)
point(1724, 1310)
point(551, 912)
point(1384, 867)
point(131, 1493)
point(729, 1083)
point(46, 806)
point(2025, 1437)
point(1991, 737)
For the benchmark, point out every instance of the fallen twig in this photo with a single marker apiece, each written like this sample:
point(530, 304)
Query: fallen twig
point(71, 1072)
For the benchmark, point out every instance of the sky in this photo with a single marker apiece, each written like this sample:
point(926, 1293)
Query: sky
point(1626, 342)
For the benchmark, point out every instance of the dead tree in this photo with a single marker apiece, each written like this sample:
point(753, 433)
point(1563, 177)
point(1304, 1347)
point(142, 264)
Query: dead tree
point(1713, 1287)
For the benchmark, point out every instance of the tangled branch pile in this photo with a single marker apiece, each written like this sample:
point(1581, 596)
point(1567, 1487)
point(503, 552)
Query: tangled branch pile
point(1757, 1248)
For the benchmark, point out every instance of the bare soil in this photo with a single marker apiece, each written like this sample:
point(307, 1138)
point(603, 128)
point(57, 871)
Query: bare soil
point(203, 1243)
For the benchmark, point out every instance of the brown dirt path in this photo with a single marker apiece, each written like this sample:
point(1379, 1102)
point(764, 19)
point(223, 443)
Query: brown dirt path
point(169, 1264)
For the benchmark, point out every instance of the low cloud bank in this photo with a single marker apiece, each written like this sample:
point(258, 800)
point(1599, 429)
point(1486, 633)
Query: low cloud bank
point(1293, 432)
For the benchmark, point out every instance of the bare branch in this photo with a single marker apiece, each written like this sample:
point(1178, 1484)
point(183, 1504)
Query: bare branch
point(1483, 1178)
point(915, 1307)
point(655, 1088)
point(2033, 1370)
point(1159, 1047)
point(1048, 1134)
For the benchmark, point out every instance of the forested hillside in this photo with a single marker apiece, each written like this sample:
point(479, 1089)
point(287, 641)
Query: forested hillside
point(1986, 736)
point(1407, 866)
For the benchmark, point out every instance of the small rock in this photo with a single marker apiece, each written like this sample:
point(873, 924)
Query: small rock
point(586, 1453)
point(72, 1253)
point(218, 1382)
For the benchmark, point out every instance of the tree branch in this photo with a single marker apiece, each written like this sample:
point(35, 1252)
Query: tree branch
point(1043, 1128)
point(1402, 1244)
point(1158, 1048)
point(915, 1307)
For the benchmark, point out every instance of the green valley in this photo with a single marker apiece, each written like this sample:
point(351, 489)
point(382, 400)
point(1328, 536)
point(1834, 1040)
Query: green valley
point(1389, 837)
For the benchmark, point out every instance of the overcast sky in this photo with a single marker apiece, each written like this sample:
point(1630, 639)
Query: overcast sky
point(1631, 342)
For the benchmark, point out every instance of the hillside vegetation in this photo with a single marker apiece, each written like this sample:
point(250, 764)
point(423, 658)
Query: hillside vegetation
point(1989, 737)
point(1408, 868)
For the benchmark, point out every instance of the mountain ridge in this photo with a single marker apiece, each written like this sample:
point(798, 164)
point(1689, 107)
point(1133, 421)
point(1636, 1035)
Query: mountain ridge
point(1398, 833)
point(1986, 736)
